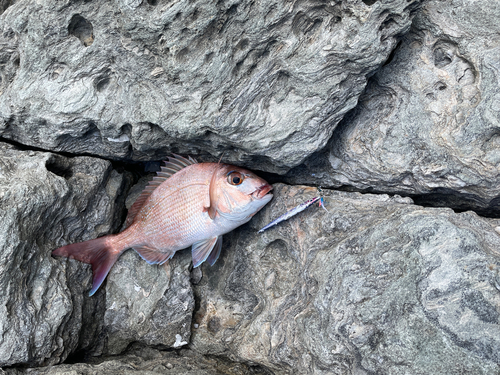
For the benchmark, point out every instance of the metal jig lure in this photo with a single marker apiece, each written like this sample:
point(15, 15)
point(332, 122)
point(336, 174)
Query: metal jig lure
point(294, 211)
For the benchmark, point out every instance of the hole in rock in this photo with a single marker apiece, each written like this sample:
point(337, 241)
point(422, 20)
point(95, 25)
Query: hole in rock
point(232, 10)
point(182, 54)
point(304, 24)
point(369, 2)
point(82, 29)
point(441, 58)
point(9, 33)
point(59, 166)
point(441, 86)
point(208, 57)
point(242, 44)
point(102, 81)
point(153, 2)
point(214, 324)
point(195, 15)
point(278, 248)
point(79, 356)
point(126, 129)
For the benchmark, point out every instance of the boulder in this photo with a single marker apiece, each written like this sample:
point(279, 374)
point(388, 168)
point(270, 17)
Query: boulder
point(375, 285)
point(266, 83)
point(427, 125)
point(46, 201)
point(149, 304)
point(144, 361)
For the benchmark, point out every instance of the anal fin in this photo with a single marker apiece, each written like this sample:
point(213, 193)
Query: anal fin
point(152, 255)
point(202, 249)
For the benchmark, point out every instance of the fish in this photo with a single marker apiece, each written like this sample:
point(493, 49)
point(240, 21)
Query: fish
point(186, 204)
point(294, 211)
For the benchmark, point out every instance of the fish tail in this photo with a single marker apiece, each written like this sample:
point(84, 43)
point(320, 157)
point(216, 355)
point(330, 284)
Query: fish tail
point(99, 253)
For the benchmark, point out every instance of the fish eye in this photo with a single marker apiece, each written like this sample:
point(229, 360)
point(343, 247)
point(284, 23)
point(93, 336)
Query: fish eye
point(235, 178)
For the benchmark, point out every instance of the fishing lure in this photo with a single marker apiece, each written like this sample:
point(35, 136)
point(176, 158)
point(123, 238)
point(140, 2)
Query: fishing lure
point(294, 211)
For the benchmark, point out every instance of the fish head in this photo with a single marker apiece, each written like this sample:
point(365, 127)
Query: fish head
point(237, 194)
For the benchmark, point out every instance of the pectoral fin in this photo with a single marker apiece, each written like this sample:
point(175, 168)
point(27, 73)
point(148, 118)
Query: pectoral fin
point(152, 255)
point(214, 254)
point(201, 250)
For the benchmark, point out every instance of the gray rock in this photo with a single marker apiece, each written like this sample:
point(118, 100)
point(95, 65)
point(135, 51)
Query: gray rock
point(428, 121)
point(264, 83)
point(377, 285)
point(47, 201)
point(148, 304)
point(147, 361)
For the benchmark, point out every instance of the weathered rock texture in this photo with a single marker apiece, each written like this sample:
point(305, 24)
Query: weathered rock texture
point(147, 361)
point(377, 285)
point(148, 304)
point(47, 201)
point(429, 120)
point(137, 79)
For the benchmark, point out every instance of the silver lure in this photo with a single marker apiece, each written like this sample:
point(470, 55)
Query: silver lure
point(294, 211)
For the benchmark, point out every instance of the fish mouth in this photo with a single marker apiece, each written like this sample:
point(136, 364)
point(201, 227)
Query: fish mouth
point(262, 191)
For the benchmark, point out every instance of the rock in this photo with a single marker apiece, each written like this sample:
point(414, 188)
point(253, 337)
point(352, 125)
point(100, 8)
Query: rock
point(428, 121)
point(146, 361)
point(264, 83)
point(147, 303)
point(377, 285)
point(46, 201)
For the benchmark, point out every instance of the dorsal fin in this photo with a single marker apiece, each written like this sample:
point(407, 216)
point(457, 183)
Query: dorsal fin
point(172, 165)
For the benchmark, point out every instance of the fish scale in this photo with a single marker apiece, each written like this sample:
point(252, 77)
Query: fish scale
point(188, 203)
point(178, 218)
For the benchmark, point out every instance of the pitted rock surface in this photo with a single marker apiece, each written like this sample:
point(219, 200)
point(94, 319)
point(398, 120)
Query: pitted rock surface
point(377, 285)
point(140, 79)
point(428, 122)
point(47, 201)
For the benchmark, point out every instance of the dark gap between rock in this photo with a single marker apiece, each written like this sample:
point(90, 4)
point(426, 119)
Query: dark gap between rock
point(440, 198)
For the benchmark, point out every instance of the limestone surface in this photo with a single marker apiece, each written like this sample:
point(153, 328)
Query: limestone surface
point(377, 285)
point(139, 79)
point(428, 122)
point(147, 303)
point(146, 361)
point(47, 201)
point(368, 97)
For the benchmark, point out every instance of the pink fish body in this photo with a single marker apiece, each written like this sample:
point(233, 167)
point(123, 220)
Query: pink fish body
point(187, 204)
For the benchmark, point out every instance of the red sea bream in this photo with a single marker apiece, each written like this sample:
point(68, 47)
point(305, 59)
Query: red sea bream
point(187, 204)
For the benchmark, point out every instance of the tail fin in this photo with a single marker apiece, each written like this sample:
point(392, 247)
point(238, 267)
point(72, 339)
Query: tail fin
point(98, 253)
